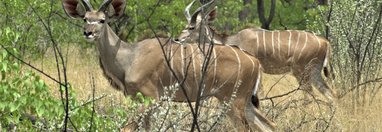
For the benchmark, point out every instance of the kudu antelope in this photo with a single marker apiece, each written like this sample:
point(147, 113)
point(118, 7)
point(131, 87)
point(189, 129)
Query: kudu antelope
point(302, 53)
point(143, 67)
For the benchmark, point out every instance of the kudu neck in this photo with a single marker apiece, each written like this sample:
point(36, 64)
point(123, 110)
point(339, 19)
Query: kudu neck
point(109, 43)
point(108, 37)
point(216, 37)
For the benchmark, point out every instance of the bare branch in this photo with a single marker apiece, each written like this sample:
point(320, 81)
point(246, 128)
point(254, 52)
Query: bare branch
point(361, 84)
point(59, 58)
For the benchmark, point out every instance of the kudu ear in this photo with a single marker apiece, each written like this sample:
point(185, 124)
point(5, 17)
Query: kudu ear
point(116, 9)
point(196, 15)
point(211, 15)
point(74, 8)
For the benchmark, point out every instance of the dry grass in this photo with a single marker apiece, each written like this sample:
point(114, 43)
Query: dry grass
point(294, 112)
point(174, 116)
point(81, 66)
point(300, 112)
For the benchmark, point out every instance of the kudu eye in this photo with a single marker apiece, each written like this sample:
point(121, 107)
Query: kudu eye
point(85, 20)
point(191, 28)
point(102, 21)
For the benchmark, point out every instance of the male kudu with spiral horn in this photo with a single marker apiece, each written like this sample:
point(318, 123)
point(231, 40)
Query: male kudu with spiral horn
point(302, 53)
point(144, 67)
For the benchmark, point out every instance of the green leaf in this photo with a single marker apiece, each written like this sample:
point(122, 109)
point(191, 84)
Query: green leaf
point(40, 111)
point(40, 84)
point(17, 36)
point(23, 101)
point(38, 103)
point(2, 75)
point(15, 51)
point(16, 96)
point(4, 55)
point(147, 102)
point(140, 97)
point(12, 107)
point(4, 67)
point(7, 31)
point(2, 106)
point(15, 66)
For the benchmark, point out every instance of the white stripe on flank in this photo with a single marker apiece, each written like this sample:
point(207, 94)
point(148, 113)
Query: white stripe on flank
point(327, 55)
point(278, 42)
point(171, 57)
point(171, 62)
point(239, 62)
point(290, 37)
point(306, 40)
point(318, 40)
point(296, 46)
point(209, 37)
point(253, 63)
point(215, 65)
point(257, 39)
point(273, 42)
point(182, 59)
point(257, 80)
point(201, 58)
point(265, 48)
point(193, 65)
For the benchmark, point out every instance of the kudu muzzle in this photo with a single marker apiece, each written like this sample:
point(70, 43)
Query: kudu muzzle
point(90, 31)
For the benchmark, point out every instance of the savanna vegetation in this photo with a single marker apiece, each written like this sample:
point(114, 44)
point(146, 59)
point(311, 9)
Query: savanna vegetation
point(51, 79)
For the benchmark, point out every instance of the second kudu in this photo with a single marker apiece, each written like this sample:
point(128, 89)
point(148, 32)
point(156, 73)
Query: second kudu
point(144, 67)
point(302, 53)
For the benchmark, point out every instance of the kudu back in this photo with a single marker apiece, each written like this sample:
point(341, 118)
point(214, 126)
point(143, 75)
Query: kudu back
point(152, 64)
point(302, 53)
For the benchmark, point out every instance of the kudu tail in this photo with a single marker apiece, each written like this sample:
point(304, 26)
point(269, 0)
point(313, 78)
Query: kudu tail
point(257, 121)
point(328, 72)
point(327, 67)
point(255, 99)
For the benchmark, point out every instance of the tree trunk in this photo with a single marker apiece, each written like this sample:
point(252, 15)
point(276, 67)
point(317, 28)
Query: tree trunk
point(265, 22)
point(246, 12)
point(322, 2)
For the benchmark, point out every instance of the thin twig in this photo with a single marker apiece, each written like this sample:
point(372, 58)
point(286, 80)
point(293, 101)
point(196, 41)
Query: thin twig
point(167, 60)
point(281, 95)
point(30, 65)
point(361, 84)
point(93, 104)
point(275, 84)
point(90, 101)
point(58, 55)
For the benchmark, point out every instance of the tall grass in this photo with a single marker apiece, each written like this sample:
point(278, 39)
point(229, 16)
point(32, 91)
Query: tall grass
point(298, 112)
point(294, 112)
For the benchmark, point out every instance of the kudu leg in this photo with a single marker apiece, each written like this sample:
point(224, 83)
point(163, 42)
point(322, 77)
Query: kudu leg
point(311, 76)
point(304, 82)
point(319, 83)
point(131, 126)
point(257, 121)
point(132, 123)
point(245, 116)
point(235, 117)
point(143, 110)
point(236, 114)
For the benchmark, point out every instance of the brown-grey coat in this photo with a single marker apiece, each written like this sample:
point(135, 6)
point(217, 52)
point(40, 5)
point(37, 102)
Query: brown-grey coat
point(144, 67)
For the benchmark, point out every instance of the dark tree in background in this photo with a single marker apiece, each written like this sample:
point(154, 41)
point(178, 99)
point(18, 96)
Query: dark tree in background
point(322, 2)
point(246, 12)
point(265, 22)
